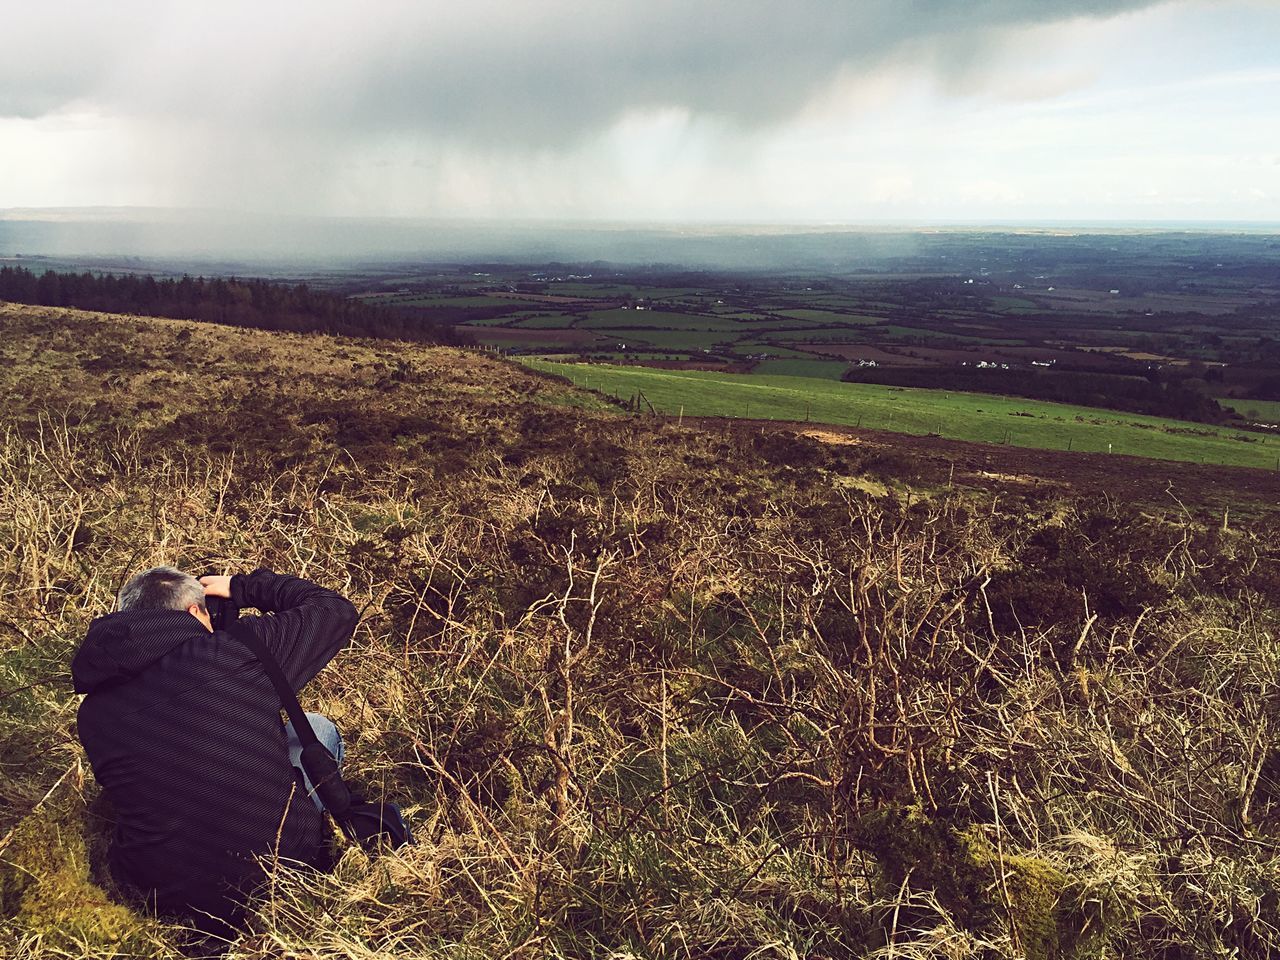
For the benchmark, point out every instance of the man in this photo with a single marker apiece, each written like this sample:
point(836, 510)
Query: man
point(182, 728)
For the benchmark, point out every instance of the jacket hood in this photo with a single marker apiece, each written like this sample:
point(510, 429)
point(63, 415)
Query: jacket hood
point(122, 645)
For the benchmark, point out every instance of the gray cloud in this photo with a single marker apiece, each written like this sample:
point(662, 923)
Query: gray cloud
point(491, 73)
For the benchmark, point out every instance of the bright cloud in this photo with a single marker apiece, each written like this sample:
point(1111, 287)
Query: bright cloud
point(745, 110)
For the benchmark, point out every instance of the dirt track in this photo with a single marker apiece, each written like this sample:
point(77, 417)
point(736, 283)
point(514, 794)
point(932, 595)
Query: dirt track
point(1134, 479)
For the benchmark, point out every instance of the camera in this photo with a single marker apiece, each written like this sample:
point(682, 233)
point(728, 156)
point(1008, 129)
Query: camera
point(222, 612)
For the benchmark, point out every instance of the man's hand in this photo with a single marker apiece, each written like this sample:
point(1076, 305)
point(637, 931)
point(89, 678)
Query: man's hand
point(216, 586)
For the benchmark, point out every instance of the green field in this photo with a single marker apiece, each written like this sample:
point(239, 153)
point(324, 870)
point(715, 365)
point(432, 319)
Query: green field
point(557, 321)
point(683, 340)
point(501, 321)
point(925, 333)
point(737, 313)
point(857, 335)
point(1265, 410)
point(822, 369)
point(1013, 304)
point(829, 317)
point(773, 349)
point(959, 416)
point(609, 319)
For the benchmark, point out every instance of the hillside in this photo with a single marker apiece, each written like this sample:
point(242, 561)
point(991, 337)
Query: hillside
point(648, 690)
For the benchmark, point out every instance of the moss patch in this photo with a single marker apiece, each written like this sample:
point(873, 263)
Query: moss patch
point(47, 900)
point(1036, 905)
point(1019, 895)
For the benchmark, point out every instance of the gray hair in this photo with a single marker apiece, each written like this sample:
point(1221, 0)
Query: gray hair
point(161, 588)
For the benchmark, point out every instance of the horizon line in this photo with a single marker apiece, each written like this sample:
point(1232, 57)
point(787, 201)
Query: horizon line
point(131, 213)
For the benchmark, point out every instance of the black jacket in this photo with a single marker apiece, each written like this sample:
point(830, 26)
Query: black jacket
point(183, 731)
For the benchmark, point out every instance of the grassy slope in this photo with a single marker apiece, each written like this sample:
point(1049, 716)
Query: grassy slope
point(646, 692)
point(961, 416)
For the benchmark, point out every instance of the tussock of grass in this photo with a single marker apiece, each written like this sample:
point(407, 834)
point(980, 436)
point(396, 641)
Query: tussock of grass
point(646, 692)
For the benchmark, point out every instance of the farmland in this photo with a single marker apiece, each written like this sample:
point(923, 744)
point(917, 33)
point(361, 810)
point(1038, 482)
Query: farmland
point(960, 416)
point(969, 333)
point(1184, 325)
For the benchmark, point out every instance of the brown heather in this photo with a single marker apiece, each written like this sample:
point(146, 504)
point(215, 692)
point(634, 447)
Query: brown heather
point(646, 692)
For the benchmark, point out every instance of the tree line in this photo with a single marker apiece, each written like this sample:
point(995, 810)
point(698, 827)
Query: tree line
point(240, 303)
point(1154, 394)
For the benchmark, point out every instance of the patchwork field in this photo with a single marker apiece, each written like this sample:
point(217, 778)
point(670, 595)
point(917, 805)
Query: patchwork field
point(1076, 319)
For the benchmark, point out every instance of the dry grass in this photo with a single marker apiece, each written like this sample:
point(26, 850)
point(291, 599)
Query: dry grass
point(646, 692)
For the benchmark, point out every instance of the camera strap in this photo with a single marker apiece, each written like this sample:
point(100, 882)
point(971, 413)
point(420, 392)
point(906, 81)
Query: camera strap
point(320, 766)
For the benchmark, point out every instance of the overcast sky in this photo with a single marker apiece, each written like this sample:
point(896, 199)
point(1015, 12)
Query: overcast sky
point(747, 110)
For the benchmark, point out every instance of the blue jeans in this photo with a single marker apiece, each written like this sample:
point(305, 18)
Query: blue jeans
point(327, 734)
